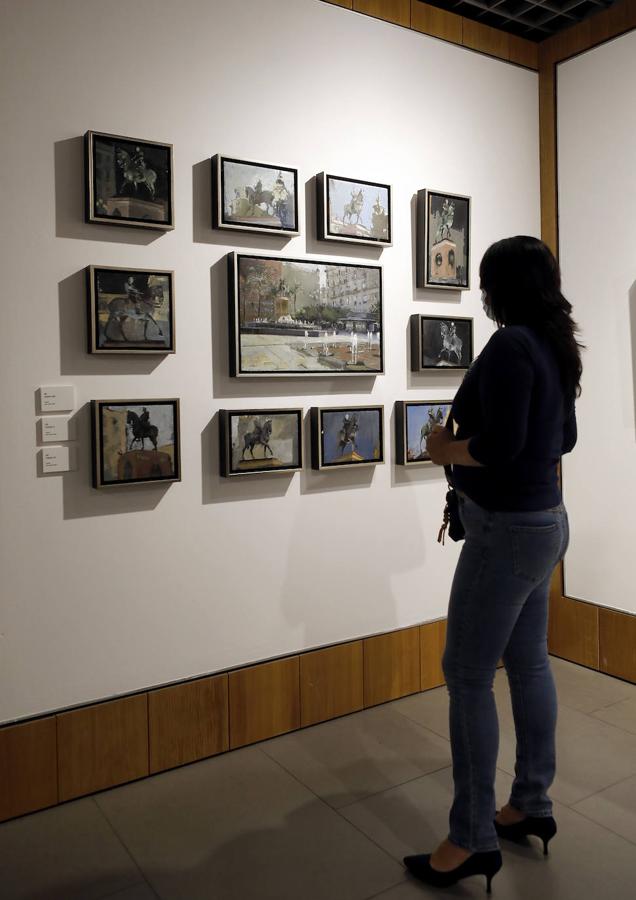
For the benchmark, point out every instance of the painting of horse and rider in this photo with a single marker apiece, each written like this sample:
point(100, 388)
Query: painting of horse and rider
point(353, 210)
point(257, 441)
point(130, 311)
point(252, 196)
point(443, 240)
point(414, 422)
point(135, 441)
point(347, 436)
point(128, 181)
point(441, 343)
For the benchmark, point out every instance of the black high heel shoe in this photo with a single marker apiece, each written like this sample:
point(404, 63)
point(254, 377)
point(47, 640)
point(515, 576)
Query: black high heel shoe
point(487, 864)
point(543, 827)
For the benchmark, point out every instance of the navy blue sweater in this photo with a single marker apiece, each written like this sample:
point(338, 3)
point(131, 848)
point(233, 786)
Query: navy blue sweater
point(511, 406)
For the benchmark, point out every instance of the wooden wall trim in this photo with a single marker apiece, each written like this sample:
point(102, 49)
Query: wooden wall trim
point(449, 27)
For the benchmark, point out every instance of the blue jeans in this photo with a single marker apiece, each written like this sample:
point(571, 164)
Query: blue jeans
point(499, 609)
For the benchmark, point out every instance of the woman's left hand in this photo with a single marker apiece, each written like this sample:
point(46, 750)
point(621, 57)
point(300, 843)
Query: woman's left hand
point(438, 445)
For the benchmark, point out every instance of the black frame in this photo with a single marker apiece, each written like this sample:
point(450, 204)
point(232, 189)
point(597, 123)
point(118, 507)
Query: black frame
point(323, 206)
point(416, 321)
point(93, 314)
point(89, 179)
point(317, 434)
point(225, 441)
point(97, 407)
point(423, 279)
point(218, 182)
point(234, 330)
point(401, 432)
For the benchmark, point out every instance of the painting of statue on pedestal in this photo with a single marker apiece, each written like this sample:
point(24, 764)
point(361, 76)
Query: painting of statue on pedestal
point(441, 342)
point(135, 442)
point(304, 317)
point(414, 422)
point(347, 436)
point(353, 211)
point(128, 181)
point(443, 240)
point(257, 441)
point(252, 196)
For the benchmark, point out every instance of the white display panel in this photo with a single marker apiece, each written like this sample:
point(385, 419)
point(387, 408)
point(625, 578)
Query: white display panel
point(597, 232)
point(158, 584)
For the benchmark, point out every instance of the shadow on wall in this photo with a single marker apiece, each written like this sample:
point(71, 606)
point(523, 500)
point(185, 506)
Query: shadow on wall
point(632, 322)
point(74, 356)
point(81, 500)
point(69, 201)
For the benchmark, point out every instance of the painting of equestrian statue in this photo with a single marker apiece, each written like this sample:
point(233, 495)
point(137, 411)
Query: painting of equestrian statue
point(353, 210)
point(304, 317)
point(443, 240)
point(414, 422)
point(257, 441)
point(129, 181)
point(135, 441)
point(441, 343)
point(130, 311)
point(347, 436)
point(252, 196)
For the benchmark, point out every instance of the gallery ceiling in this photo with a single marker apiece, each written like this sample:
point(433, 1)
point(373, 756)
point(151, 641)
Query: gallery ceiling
point(531, 19)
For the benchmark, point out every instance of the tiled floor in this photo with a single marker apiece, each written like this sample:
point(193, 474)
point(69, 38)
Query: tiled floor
point(327, 813)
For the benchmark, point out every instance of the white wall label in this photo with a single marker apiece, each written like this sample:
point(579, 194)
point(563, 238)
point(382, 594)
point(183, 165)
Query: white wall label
point(56, 429)
point(57, 398)
point(56, 459)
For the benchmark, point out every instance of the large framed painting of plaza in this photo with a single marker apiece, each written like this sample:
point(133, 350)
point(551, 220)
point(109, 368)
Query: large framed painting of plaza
point(441, 342)
point(252, 196)
point(128, 181)
point(346, 436)
point(304, 317)
point(443, 241)
point(414, 422)
point(135, 442)
point(257, 441)
point(353, 211)
point(130, 310)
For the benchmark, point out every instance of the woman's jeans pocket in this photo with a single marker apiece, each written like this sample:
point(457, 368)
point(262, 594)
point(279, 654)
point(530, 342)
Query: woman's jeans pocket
point(536, 549)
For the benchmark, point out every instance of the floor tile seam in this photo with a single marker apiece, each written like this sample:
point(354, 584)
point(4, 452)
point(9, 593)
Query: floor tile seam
point(596, 822)
point(603, 789)
point(124, 889)
point(328, 806)
point(384, 891)
point(128, 852)
point(425, 727)
point(391, 788)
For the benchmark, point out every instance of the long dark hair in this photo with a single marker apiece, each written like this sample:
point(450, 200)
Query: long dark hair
point(522, 281)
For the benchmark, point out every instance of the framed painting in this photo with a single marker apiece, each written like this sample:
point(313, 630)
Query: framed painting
point(443, 241)
point(347, 436)
point(414, 421)
point(252, 196)
point(135, 442)
point(353, 211)
point(441, 342)
point(130, 310)
point(255, 441)
point(304, 317)
point(128, 181)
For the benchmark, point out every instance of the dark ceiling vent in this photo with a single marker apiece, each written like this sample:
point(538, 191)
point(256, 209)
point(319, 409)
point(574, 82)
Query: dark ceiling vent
point(531, 19)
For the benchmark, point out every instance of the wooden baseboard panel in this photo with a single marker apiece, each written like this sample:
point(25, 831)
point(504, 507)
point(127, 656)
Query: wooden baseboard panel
point(82, 751)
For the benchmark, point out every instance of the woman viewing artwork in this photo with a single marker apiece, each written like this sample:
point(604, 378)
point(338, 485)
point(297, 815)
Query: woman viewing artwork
point(515, 418)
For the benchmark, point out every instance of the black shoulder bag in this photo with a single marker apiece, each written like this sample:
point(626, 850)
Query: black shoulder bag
point(452, 521)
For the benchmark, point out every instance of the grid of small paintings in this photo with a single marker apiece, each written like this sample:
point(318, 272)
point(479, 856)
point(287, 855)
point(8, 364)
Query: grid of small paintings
point(288, 317)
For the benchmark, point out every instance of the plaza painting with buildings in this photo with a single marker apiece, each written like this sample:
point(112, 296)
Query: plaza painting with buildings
point(301, 317)
point(135, 441)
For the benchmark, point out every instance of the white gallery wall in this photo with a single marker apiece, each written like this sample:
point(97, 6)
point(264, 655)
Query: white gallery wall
point(109, 592)
point(597, 233)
